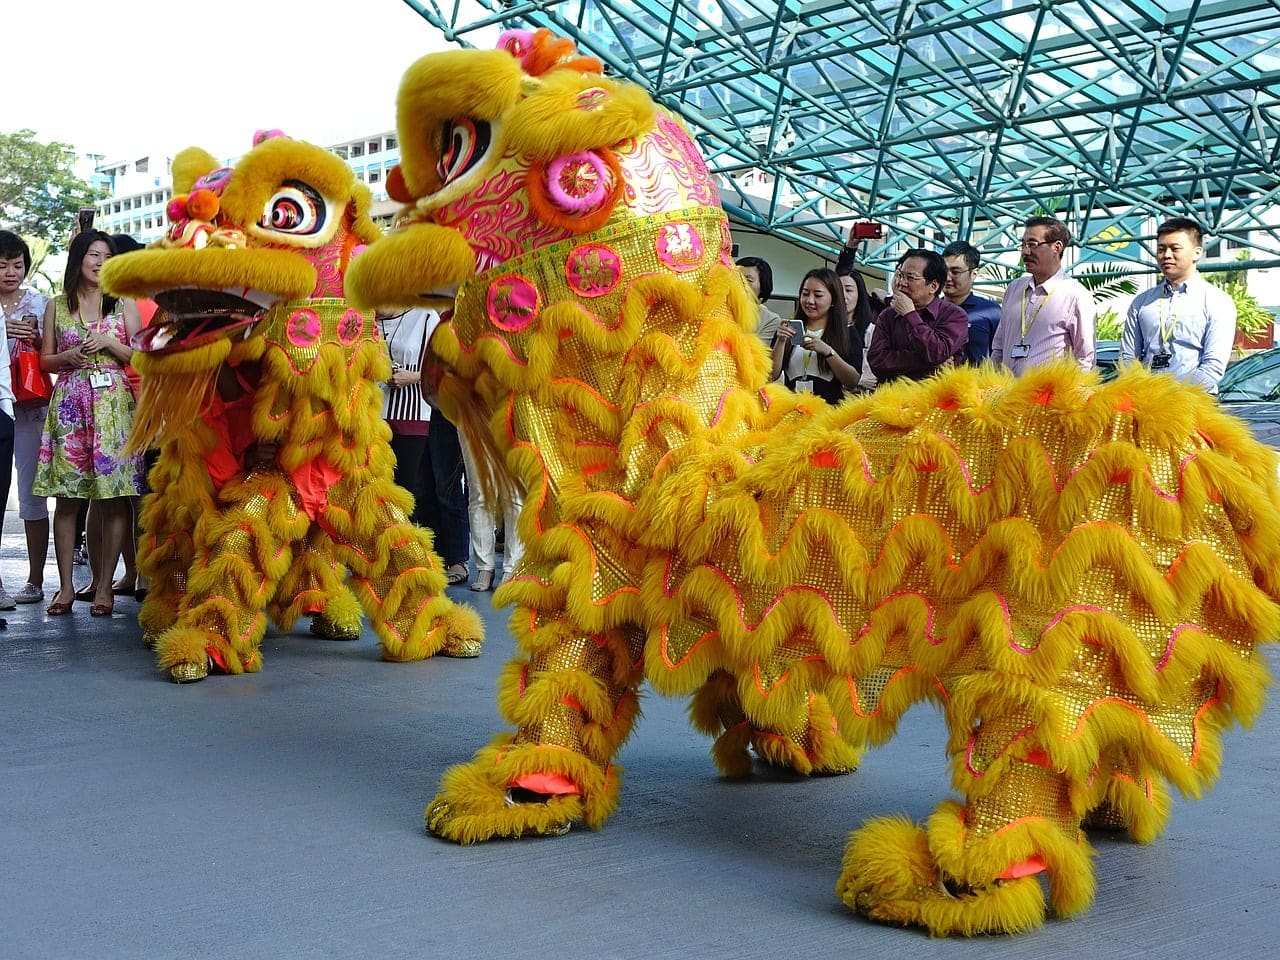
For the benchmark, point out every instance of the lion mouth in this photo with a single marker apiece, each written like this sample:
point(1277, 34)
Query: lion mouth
point(191, 317)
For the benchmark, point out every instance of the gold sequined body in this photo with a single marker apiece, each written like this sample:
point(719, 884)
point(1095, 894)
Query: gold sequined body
point(1076, 574)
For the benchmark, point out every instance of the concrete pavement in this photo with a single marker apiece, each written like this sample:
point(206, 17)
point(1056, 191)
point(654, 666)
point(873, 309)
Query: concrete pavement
point(279, 815)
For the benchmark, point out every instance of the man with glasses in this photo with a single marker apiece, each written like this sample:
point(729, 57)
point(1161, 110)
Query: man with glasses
point(1183, 326)
point(919, 331)
point(962, 261)
point(1045, 314)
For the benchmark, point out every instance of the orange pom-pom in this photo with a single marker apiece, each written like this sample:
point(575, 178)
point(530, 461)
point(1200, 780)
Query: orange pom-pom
point(396, 188)
point(203, 205)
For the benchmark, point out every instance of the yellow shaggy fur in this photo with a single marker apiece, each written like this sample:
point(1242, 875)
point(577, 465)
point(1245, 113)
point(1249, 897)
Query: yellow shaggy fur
point(1076, 574)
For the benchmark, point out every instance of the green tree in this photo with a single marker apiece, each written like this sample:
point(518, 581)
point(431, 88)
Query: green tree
point(1106, 287)
point(39, 194)
point(1251, 317)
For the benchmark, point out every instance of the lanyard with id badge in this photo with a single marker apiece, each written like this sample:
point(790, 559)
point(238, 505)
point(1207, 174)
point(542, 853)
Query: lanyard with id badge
point(99, 378)
point(1168, 323)
point(1021, 350)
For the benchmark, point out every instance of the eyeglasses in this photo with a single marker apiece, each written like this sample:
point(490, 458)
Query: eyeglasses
point(1034, 244)
point(957, 271)
point(908, 277)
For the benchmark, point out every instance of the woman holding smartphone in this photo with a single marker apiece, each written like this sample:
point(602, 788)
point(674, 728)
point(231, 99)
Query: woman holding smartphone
point(86, 343)
point(819, 352)
point(21, 309)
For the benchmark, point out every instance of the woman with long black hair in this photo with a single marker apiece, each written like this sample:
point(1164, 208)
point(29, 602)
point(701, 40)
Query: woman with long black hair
point(85, 341)
point(819, 351)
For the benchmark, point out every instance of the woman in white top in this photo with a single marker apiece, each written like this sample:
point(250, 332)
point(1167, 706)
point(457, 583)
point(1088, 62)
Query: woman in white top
point(403, 407)
point(21, 310)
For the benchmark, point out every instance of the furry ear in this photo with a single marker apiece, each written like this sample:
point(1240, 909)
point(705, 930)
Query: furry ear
point(571, 112)
point(189, 166)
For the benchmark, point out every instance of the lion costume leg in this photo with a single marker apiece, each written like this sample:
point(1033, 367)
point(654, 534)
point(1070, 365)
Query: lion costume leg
point(974, 868)
point(170, 516)
point(316, 585)
point(397, 577)
point(810, 745)
point(241, 556)
point(573, 699)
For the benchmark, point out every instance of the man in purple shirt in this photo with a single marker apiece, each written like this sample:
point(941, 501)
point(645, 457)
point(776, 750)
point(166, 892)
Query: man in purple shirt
point(918, 332)
point(1045, 314)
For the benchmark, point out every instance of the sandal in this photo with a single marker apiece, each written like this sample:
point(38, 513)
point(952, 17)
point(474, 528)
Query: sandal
point(87, 594)
point(483, 581)
point(455, 573)
point(101, 609)
point(58, 609)
point(121, 589)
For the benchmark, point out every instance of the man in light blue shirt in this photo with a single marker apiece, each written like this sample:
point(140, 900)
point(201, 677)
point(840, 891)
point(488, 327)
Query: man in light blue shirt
point(1183, 325)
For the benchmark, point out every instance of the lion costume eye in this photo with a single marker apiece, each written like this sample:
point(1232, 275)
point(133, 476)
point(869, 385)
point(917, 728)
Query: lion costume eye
point(296, 209)
point(463, 144)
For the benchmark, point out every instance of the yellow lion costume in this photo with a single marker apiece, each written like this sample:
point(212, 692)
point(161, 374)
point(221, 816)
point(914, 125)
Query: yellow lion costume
point(1076, 574)
point(273, 489)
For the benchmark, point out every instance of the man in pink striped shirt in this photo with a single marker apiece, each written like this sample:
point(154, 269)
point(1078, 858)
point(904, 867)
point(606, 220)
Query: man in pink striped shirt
point(1045, 314)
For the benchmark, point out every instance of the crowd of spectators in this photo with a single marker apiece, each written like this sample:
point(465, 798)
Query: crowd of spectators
point(933, 319)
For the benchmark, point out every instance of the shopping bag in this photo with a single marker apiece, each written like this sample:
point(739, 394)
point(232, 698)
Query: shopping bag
point(30, 383)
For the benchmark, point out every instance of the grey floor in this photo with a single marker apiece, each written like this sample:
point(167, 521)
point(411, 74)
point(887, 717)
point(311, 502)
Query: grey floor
point(279, 815)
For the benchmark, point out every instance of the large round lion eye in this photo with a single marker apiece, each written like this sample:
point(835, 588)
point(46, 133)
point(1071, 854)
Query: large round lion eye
point(463, 144)
point(296, 208)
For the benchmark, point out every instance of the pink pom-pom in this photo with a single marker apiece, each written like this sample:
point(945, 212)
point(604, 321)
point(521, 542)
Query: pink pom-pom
point(262, 136)
point(518, 43)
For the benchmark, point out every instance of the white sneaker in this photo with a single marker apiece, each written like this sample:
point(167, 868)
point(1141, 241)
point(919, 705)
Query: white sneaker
point(30, 593)
point(6, 601)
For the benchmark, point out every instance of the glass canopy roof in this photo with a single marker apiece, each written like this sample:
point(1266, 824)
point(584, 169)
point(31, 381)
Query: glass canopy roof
point(955, 119)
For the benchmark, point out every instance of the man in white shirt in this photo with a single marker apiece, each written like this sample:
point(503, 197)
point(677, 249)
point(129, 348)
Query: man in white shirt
point(1184, 325)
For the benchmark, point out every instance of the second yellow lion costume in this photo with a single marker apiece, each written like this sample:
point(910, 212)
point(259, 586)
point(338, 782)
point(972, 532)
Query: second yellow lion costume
point(273, 489)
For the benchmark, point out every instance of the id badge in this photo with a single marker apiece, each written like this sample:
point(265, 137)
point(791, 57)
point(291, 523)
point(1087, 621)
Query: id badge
point(1160, 360)
point(99, 379)
point(1020, 351)
point(804, 385)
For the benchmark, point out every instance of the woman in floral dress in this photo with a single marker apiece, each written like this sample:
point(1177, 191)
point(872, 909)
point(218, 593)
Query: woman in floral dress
point(85, 342)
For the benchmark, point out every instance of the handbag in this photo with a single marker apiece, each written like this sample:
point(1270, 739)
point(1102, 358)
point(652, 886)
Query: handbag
point(30, 383)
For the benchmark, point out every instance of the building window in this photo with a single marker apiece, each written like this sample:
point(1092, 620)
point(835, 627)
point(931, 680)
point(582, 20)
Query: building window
point(375, 176)
point(141, 165)
point(341, 151)
point(391, 143)
point(357, 150)
point(374, 146)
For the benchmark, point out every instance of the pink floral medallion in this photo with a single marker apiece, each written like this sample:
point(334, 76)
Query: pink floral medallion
point(679, 247)
point(350, 327)
point(593, 269)
point(513, 302)
point(303, 328)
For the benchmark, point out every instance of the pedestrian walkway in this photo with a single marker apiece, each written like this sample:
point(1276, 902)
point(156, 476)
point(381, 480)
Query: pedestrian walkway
point(279, 815)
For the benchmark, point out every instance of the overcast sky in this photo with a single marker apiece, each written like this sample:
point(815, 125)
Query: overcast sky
point(125, 77)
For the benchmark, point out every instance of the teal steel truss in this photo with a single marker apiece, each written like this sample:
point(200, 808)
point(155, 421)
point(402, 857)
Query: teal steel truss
point(955, 119)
